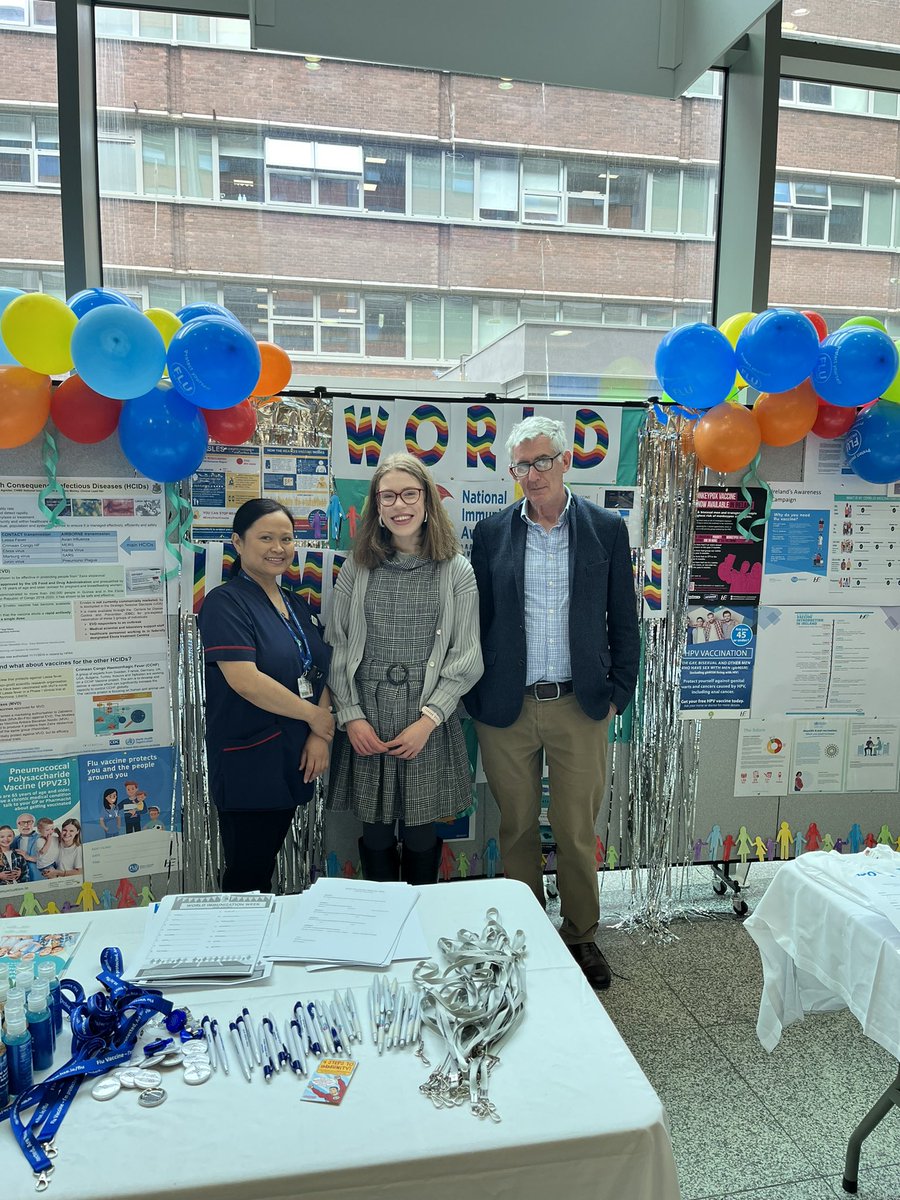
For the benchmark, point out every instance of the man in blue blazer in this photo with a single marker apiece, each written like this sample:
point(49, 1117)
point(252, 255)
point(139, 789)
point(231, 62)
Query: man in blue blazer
point(559, 635)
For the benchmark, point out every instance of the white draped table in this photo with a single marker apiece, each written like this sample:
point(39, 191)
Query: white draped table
point(579, 1119)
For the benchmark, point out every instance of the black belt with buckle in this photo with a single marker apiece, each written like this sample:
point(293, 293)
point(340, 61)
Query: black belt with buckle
point(549, 691)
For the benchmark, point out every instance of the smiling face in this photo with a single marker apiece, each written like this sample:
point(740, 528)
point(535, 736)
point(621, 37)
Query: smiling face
point(25, 824)
point(267, 547)
point(69, 833)
point(6, 837)
point(404, 518)
point(544, 489)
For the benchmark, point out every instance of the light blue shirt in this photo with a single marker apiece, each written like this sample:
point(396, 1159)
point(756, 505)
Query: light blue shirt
point(547, 598)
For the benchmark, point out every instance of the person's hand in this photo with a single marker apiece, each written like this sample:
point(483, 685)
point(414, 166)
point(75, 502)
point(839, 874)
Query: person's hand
point(411, 741)
point(321, 722)
point(314, 758)
point(9, 876)
point(363, 738)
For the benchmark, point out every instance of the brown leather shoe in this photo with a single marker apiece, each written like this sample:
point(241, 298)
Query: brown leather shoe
point(593, 965)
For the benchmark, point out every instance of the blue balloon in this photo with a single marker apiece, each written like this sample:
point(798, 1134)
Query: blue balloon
point(162, 435)
point(777, 350)
point(7, 295)
point(855, 365)
point(191, 312)
point(872, 445)
point(118, 351)
point(695, 365)
point(213, 362)
point(90, 298)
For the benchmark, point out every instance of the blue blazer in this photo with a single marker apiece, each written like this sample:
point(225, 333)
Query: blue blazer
point(604, 640)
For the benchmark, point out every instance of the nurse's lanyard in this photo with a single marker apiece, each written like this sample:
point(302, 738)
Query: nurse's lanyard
point(308, 673)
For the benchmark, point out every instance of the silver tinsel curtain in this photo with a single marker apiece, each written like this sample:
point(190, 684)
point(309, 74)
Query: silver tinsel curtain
point(662, 770)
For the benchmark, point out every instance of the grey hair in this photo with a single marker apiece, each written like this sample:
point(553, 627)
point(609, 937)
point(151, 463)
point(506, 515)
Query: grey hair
point(533, 427)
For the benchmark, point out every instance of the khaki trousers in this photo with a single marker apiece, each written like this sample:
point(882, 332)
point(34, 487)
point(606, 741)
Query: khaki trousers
point(575, 747)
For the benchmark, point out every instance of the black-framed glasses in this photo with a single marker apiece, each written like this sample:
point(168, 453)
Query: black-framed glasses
point(409, 496)
point(544, 463)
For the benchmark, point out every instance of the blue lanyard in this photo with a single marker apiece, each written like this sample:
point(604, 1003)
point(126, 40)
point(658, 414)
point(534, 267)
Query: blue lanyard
point(295, 629)
point(104, 1033)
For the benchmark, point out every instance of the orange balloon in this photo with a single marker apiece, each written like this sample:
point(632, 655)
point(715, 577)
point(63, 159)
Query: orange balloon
point(786, 417)
point(24, 405)
point(275, 372)
point(727, 438)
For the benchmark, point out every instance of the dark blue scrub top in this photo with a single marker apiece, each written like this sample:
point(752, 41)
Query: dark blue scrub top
point(254, 755)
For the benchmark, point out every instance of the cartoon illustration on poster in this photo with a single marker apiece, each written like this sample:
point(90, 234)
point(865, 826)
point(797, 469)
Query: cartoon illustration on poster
point(127, 811)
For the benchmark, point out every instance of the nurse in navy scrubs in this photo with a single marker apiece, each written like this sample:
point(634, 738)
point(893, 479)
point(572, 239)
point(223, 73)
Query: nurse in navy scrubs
point(268, 711)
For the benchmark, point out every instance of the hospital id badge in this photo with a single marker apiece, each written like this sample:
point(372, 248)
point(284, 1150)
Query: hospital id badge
point(304, 687)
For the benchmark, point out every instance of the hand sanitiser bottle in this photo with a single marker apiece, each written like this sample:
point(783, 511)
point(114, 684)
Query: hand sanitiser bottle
point(18, 1051)
point(40, 1026)
point(4, 1077)
point(47, 971)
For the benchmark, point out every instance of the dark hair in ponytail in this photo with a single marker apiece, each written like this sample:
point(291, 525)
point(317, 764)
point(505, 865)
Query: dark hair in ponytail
point(248, 514)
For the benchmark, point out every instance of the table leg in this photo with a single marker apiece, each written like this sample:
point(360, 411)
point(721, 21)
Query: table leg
point(873, 1117)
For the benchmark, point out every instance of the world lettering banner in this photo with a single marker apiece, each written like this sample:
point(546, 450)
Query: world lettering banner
point(465, 440)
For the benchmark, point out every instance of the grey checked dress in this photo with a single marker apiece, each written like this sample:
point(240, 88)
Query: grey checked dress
point(402, 606)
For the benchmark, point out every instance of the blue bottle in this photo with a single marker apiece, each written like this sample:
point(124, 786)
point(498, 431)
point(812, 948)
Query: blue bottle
point(18, 1051)
point(40, 1026)
point(47, 972)
point(4, 1077)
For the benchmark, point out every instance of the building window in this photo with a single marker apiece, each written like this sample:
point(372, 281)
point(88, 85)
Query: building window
point(29, 149)
point(240, 166)
point(195, 160)
point(498, 188)
point(314, 173)
point(458, 311)
point(586, 192)
point(384, 179)
point(426, 183)
point(158, 160)
point(385, 326)
point(541, 196)
point(425, 318)
point(459, 186)
point(495, 317)
point(627, 197)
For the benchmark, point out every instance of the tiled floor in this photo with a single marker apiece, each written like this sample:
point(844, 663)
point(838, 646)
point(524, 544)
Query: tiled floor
point(745, 1124)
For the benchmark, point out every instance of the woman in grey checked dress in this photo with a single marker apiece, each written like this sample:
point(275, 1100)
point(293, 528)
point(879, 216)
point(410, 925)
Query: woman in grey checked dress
point(404, 628)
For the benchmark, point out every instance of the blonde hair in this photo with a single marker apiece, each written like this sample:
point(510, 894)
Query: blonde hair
point(374, 544)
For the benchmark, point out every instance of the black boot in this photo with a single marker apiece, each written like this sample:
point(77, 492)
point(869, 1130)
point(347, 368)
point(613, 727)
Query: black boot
point(421, 866)
point(379, 866)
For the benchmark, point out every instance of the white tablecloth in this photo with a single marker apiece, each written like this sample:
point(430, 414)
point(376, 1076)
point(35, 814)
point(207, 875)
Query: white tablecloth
point(579, 1119)
point(823, 950)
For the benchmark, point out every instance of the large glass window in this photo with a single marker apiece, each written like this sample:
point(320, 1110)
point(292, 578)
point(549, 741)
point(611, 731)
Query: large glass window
point(398, 221)
point(31, 254)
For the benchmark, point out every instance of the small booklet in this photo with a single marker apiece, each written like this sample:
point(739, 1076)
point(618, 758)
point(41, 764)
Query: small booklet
point(330, 1082)
point(22, 947)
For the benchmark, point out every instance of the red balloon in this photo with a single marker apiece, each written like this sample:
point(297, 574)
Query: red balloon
point(231, 426)
point(819, 322)
point(833, 421)
point(82, 414)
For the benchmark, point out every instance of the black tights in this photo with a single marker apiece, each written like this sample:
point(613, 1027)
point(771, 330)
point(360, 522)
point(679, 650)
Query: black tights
point(251, 841)
point(416, 838)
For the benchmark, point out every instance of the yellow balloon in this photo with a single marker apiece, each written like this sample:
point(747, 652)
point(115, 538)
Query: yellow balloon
point(38, 331)
point(166, 322)
point(893, 391)
point(733, 327)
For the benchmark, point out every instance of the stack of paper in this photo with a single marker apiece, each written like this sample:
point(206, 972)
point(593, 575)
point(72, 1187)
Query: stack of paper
point(349, 922)
point(216, 939)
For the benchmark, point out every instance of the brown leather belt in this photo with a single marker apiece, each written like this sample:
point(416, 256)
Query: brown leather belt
point(549, 691)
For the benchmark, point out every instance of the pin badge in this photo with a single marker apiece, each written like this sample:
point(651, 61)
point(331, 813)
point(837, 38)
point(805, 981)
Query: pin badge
point(105, 1089)
point(152, 1097)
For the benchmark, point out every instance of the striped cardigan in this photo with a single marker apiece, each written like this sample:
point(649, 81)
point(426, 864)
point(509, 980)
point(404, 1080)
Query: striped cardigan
point(455, 662)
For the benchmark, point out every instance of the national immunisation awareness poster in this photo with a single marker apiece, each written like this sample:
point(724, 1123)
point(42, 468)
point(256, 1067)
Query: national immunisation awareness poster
point(84, 671)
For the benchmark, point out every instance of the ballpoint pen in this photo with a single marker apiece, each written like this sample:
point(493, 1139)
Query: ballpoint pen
point(239, 1049)
point(334, 1031)
point(219, 1043)
point(246, 1036)
point(373, 1013)
point(354, 1013)
point(345, 1018)
point(327, 1043)
point(294, 1040)
point(309, 1029)
point(270, 1041)
point(249, 1021)
point(278, 1042)
point(265, 1055)
point(210, 1042)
